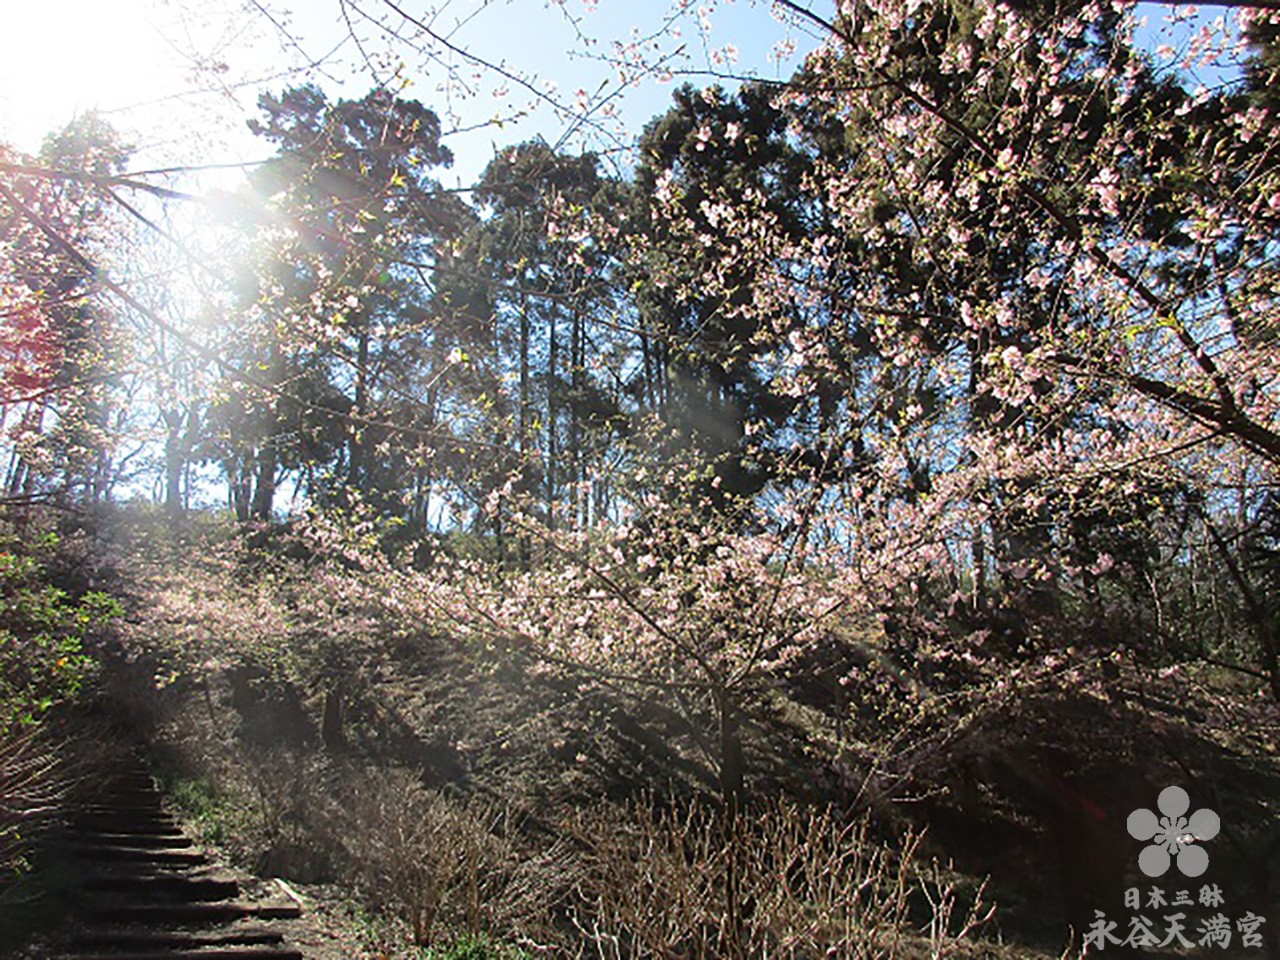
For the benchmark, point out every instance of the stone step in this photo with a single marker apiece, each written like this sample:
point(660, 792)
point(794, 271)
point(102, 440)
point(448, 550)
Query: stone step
point(148, 892)
point(124, 853)
point(151, 803)
point(245, 934)
point(157, 914)
point(174, 887)
point(128, 788)
point(155, 839)
point(154, 828)
point(126, 821)
point(131, 788)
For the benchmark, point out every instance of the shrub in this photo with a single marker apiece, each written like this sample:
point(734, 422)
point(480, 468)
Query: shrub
point(415, 851)
point(42, 663)
point(42, 633)
point(780, 882)
point(442, 864)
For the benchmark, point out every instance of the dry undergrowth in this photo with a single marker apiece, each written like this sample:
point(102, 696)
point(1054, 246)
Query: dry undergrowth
point(616, 880)
point(782, 882)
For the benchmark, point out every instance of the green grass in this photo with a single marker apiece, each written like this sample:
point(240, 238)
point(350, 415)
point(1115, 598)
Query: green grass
point(468, 947)
point(213, 814)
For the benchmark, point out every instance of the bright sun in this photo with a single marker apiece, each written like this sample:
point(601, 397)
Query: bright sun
point(62, 58)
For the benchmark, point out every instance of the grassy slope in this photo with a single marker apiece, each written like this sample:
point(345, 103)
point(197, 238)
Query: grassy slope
point(1029, 787)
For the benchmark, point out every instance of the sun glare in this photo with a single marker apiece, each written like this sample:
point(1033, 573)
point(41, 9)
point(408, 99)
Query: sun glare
point(61, 59)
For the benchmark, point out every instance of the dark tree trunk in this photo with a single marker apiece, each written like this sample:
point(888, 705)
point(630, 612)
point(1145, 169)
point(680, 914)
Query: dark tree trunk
point(174, 467)
point(731, 792)
point(264, 491)
point(522, 440)
point(332, 723)
point(575, 424)
point(239, 489)
point(356, 468)
point(553, 413)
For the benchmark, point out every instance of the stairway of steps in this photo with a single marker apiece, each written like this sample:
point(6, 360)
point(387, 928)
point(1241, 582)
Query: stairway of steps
point(146, 892)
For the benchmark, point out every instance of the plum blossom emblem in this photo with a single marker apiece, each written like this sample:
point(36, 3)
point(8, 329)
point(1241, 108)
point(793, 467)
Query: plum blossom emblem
point(1173, 834)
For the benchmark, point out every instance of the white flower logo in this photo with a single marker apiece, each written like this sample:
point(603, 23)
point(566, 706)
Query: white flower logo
point(1174, 834)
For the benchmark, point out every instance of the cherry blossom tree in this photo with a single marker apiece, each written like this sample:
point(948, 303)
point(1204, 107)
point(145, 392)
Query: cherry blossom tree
point(60, 344)
point(1043, 280)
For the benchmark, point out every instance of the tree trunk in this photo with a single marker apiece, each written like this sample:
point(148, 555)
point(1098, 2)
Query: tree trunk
point(523, 549)
point(174, 466)
point(731, 776)
point(332, 723)
point(264, 491)
point(524, 377)
point(553, 412)
point(239, 490)
point(1255, 610)
point(578, 502)
point(731, 788)
point(356, 463)
point(649, 381)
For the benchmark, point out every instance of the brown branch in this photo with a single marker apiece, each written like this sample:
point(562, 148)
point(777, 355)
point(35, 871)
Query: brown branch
point(481, 62)
point(57, 388)
point(97, 180)
point(1256, 609)
point(1228, 420)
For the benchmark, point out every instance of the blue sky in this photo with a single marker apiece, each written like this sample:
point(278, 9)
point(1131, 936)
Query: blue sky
point(180, 78)
point(182, 82)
